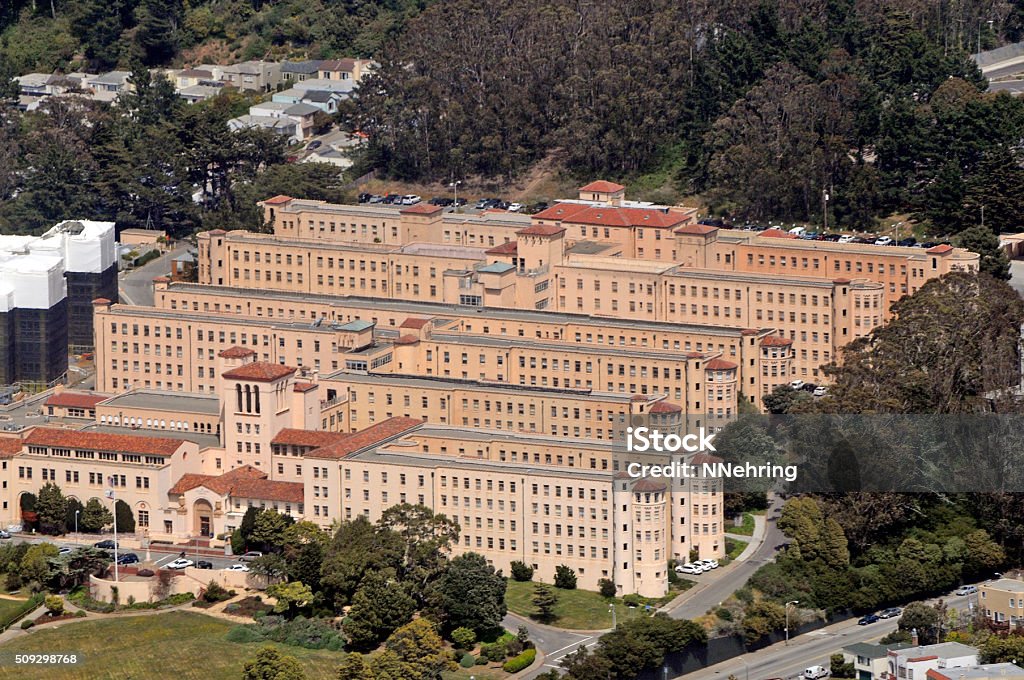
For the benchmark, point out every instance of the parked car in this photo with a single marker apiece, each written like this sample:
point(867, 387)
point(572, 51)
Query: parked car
point(106, 545)
point(376, 198)
point(883, 241)
point(64, 550)
point(689, 568)
point(820, 391)
point(179, 563)
point(870, 618)
point(203, 564)
point(515, 207)
point(482, 203)
point(365, 197)
point(392, 199)
point(815, 672)
point(250, 556)
point(127, 558)
point(808, 387)
point(314, 145)
point(890, 613)
point(237, 567)
point(907, 242)
point(707, 564)
point(4, 534)
point(411, 199)
point(538, 207)
point(798, 231)
point(797, 384)
point(966, 590)
point(459, 202)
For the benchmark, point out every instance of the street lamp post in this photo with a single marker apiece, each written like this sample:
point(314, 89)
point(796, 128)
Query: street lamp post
point(78, 539)
point(746, 667)
point(455, 189)
point(787, 617)
point(611, 608)
point(110, 494)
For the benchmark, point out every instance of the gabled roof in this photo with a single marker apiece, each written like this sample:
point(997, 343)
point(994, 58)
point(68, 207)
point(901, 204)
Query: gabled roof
point(940, 249)
point(75, 399)
point(414, 322)
point(375, 434)
point(243, 482)
point(290, 436)
point(277, 200)
point(602, 187)
point(697, 229)
point(506, 248)
point(259, 371)
point(101, 441)
point(561, 211)
point(9, 447)
point(613, 216)
point(304, 387)
point(338, 65)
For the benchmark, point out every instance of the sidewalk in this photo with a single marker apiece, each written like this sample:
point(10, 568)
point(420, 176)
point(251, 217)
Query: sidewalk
point(754, 541)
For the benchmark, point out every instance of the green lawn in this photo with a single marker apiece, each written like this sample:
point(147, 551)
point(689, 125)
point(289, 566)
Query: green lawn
point(7, 606)
point(747, 529)
point(733, 547)
point(178, 645)
point(577, 609)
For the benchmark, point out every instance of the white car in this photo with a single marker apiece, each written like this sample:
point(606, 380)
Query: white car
point(816, 672)
point(411, 199)
point(797, 384)
point(820, 391)
point(845, 238)
point(707, 564)
point(237, 567)
point(179, 563)
point(689, 568)
point(883, 241)
point(515, 207)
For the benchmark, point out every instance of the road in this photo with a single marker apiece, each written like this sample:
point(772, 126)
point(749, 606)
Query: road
point(1011, 86)
point(136, 286)
point(160, 555)
point(555, 643)
point(1003, 69)
point(809, 649)
point(710, 595)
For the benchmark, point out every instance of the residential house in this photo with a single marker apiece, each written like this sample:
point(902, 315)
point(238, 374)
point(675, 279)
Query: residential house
point(297, 71)
point(335, 148)
point(988, 671)
point(35, 84)
point(344, 69)
point(301, 114)
point(342, 86)
point(107, 86)
point(201, 92)
point(285, 127)
point(914, 663)
point(191, 77)
point(870, 661)
point(324, 100)
point(253, 76)
point(1002, 601)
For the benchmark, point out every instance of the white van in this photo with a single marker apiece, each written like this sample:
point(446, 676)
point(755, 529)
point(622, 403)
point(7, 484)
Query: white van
point(816, 672)
point(797, 231)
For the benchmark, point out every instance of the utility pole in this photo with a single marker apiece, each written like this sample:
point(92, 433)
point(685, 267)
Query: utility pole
point(825, 197)
point(110, 494)
point(791, 602)
point(455, 189)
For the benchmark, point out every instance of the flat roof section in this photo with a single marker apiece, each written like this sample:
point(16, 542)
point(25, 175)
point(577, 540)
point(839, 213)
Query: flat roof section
point(202, 404)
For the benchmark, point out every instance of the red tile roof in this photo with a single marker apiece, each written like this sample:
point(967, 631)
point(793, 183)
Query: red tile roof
point(665, 407)
point(101, 301)
point(421, 209)
point(541, 230)
point(161, 279)
point(777, 233)
point(102, 441)
point(259, 371)
point(389, 429)
point(648, 486)
point(75, 399)
point(236, 352)
point(278, 200)
point(775, 341)
point(602, 187)
point(414, 322)
point(719, 365)
point(304, 387)
point(220, 232)
point(841, 280)
point(749, 331)
point(243, 482)
point(9, 447)
point(507, 248)
point(561, 211)
point(290, 436)
point(697, 229)
point(407, 340)
point(940, 249)
point(610, 216)
point(702, 458)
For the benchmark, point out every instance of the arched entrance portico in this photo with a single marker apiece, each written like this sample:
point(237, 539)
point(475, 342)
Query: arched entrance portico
point(202, 514)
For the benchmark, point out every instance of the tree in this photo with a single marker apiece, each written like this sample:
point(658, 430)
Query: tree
point(606, 586)
point(544, 599)
point(52, 507)
point(54, 605)
point(34, 567)
point(643, 643)
point(357, 549)
point(125, 517)
point(922, 618)
point(471, 594)
point(996, 649)
point(426, 539)
point(463, 638)
point(271, 664)
point(269, 530)
point(291, 597)
point(420, 651)
point(305, 565)
point(74, 568)
point(983, 241)
point(271, 566)
point(94, 517)
point(521, 571)
point(72, 521)
point(839, 668)
point(761, 618)
point(783, 398)
point(565, 577)
point(240, 536)
point(379, 607)
point(353, 667)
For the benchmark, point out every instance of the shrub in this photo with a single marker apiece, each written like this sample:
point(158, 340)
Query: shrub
point(145, 572)
point(723, 614)
point(631, 600)
point(518, 663)
point(54, 605)
point(467, 661)
point(607, 587)
point(481, 661)
point(565, 577)
point(80, 614)
point(299, 632)
point(27, 623)
point(493, 652)
point(521, 571)
point(464, 638)
point(215, 592)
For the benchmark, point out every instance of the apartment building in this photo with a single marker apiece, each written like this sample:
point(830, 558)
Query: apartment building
point(918, 663)
point(1002, 602)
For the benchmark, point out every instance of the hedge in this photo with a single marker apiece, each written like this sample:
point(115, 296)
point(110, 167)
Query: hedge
point(518, 663)
point(29, 605)
point(467, 661)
